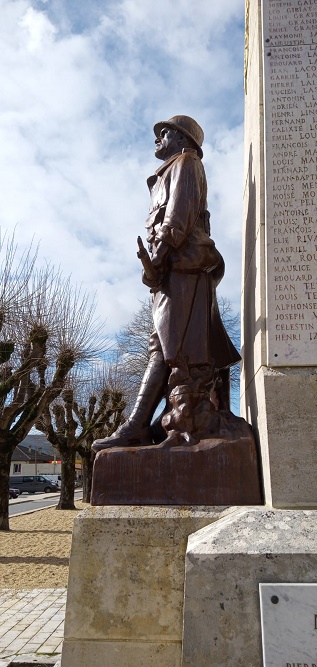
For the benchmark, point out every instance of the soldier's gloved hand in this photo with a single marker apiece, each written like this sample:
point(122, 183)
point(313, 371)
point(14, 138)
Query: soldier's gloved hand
point(160, 255)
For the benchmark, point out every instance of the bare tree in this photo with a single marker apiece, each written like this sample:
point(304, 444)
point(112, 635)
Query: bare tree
point(132, 342)
point(231, 322)
point(99, 411)
point(87, 409)
point(44, 331)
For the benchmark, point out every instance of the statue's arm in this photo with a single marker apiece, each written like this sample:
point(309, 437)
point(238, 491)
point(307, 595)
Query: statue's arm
point(187, 188)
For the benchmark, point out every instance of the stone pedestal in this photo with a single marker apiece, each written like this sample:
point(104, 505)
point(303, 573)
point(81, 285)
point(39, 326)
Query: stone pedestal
point(126, 585)
point(279, 297)
point(214, 472)
point(225, 563)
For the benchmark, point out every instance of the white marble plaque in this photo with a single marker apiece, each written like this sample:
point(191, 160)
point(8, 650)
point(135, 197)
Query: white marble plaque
point(289, 625)
point(290, 149)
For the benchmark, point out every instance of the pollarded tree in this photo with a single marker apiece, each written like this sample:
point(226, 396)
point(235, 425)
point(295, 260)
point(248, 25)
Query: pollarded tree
point(85, 410)
point(100, 412)
point(44, 330)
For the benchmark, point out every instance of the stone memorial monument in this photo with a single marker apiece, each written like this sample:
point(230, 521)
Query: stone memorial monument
point(126, 607)
point(227, 563)
point(248, 594)
point(279, 333)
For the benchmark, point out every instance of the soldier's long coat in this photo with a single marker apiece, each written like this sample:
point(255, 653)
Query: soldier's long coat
point(186, 316)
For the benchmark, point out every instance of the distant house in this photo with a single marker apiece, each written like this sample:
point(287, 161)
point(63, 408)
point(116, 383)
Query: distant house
point(27, 460)
point(36, 456)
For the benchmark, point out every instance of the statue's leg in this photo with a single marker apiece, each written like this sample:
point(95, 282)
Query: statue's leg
point(136, 430)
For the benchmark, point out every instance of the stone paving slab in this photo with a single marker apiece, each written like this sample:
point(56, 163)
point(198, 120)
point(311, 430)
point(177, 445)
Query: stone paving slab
point(31, 625)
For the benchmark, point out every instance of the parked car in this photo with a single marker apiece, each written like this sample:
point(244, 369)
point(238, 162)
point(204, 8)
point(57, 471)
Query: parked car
point(33, 483)
point(13, 493)
point(55, 478)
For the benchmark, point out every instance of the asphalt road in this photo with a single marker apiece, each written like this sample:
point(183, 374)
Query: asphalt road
point(29, 502)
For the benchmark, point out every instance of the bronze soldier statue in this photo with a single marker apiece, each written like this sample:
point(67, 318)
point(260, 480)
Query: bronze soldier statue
point(189, 345)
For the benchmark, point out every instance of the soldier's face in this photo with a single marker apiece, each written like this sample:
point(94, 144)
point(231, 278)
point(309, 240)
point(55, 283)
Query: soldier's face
point(167, 144)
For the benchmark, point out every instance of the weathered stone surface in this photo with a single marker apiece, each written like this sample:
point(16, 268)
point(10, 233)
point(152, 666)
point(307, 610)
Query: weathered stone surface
point(278, 379)
point(253, 305)
point(126, 582)
point(290, 193)
point(290, 470)
point(225, 563)
point(214, 472)
point(280, 266)
point(122, 654)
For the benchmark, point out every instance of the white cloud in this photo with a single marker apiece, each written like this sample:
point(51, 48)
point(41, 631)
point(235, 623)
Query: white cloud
point(223, 162)
point(82, 85)
point(40, 30)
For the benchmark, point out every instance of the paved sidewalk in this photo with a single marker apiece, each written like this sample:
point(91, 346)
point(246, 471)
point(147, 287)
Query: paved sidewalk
point(31, 623)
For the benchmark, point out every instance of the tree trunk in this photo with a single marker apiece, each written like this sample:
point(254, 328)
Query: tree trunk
point(68, 457)
point(87, 467)
point(5, 461)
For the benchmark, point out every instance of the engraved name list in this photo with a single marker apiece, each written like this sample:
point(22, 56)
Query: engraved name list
point(290, 103)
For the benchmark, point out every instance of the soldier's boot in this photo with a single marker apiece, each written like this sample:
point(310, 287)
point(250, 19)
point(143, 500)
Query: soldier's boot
point(136, 430)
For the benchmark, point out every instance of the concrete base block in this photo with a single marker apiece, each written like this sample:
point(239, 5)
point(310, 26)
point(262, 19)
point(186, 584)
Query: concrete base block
point(282, 409)
point(122, 654)
point(225, 563)
point(126, 585)
point(290, 399)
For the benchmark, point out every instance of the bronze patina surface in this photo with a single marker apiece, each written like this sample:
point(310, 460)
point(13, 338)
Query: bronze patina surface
point(189, 353)
point(216, 471)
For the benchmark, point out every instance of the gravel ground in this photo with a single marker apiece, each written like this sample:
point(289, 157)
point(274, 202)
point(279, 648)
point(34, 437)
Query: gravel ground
point(35, 552)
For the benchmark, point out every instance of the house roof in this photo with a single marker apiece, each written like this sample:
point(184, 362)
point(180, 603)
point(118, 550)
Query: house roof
point(23, 454)
point(38, 441)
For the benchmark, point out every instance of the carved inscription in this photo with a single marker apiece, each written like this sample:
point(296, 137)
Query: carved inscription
point(290, 98)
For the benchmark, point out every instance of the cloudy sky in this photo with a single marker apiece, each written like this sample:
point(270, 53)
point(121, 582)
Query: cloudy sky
point(82, 84)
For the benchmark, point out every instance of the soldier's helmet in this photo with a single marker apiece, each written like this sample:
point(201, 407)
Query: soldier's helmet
point(187, 126)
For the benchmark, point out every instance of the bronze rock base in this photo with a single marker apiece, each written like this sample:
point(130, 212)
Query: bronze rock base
point(222, 470)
